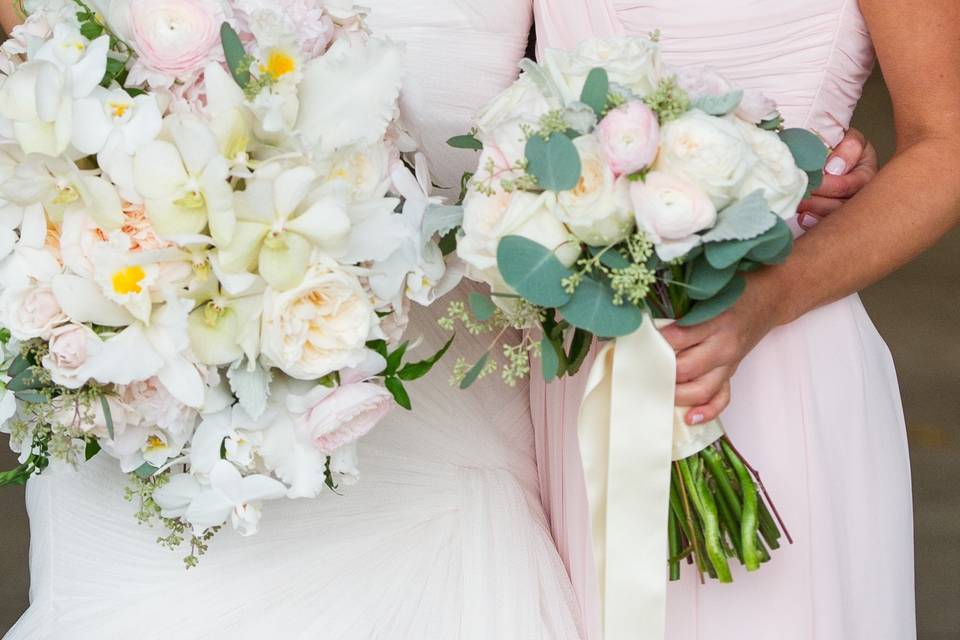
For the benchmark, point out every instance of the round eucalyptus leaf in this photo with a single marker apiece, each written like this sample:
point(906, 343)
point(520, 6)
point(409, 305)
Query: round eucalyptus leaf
point(710, 309)
point(596, 89)
point(706, 280)
point(554, 162)
point(533, 271)
point(808, 150)
point(591, 308)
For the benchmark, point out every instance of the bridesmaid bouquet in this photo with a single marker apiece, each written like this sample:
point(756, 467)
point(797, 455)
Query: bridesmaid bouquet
point(206, 265)
point(611, 195)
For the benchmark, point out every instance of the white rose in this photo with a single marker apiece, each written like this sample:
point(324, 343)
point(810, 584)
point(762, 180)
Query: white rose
point(503, 123)
point(709, 152)
point(71, 347)
point(783, 183)
point(31, 312)
point(489, 218)
point(671, 210)
point(632, 62)
point(598, 209)
point(320, 326)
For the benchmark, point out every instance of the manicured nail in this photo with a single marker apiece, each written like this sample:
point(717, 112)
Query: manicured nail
point(808, 220)
point(696, 418)
point(837, 166)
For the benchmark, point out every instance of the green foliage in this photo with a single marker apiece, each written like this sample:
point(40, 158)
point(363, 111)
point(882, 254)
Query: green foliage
point(554, 161)
point(719, 105)
point(743, 220)
point(417, 370)
point(144, 471)
point(723, 254)
point(595, 91)
point(808, 150)
point(592, 309)
point(713, 307)
point(475, 371)
point(395, 387)
point(533, 271)
point(466, 141)
point(669, 101)
point(482, 306)
point(107, 415)
point(706, 281)
point(236, 56)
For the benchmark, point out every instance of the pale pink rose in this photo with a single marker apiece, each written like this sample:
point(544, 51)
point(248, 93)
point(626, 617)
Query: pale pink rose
point(630, 137)
point(31, 312)
point(756, 107)
point(70, 348)
point(175, 38)
point(671, 211)
point(337, 417)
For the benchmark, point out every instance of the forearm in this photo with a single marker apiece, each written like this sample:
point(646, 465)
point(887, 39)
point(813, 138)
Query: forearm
point(10, 15)
point(911, 204)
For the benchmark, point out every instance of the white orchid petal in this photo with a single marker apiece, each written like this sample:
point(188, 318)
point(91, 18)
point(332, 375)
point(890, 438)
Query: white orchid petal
point(83, 301)
point(283, 268)
point(325, 223)
point(176, 494)
point(225, 478)
point(205, 446)
point(219, 198)
point(115, 363)
point(194, 140)
point(256, 203)
point(223, 93)
point(144, 126)
point(89, 71)
point(210, 508)
point(241, 254)
point(103, 202)
point(215, 344)
point(95, 126)
point(158, 170)
point(260, 487)
point(183, 381)
point(37, 137)
point(33, 228)
point(170, 219)
point(291, 188)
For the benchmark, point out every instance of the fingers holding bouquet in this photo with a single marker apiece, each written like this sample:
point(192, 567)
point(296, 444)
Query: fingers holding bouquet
point(852, 164)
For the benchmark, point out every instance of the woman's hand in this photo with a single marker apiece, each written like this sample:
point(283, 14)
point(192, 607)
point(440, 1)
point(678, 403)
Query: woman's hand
point(708, 354)
point(850, 167)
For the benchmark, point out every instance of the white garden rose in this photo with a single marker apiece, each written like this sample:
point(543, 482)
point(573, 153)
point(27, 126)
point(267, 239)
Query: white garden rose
point(598, 209)
point(488, 218)
point(632, 62)
point(671, 211)
point(320, 326)
point(708, 151)
point(31, 312)
point(706, 81)
point(783, 183)
point(523, 103)
point(71, 347)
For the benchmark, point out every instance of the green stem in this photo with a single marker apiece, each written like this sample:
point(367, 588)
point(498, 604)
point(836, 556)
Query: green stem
point(731, 526)
point(695, 535)
point(711, 531)
point(721, 476)
point(749, 522)
point(673, 532)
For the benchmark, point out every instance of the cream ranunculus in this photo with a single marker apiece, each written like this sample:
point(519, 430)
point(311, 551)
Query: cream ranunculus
point(783, 183)
point(31, 312)
point(671, 211)
point(632, 62)
point(598, 209)
point(320, 326)
point(487, 218)
point(71, 346)
point(709, 152)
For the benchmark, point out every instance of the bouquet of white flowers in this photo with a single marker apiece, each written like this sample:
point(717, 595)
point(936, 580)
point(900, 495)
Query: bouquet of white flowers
point(209, 243)
point(612, 196)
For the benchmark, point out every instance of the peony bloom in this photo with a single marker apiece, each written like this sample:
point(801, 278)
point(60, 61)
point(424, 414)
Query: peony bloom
point(671, 211)
point(175, 38)
point(320, 326)
point(630, 137)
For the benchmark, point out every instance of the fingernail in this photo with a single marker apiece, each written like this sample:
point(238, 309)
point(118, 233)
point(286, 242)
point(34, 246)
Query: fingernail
point(807, 220)
point(696, 418)
point(837, 166)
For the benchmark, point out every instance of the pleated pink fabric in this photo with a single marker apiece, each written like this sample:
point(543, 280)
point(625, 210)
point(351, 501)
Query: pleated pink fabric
point(816, 405)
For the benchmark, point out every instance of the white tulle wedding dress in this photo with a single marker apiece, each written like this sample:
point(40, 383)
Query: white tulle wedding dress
point(444, 538)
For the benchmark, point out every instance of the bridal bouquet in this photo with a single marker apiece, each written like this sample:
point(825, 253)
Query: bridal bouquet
point(206, 265)
point(613, 195)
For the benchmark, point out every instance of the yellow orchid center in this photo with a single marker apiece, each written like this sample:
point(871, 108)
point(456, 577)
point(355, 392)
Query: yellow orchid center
point(154, 443)
point(192, 200)
point(279, 64)
point(128, 279)
point(66, 195)
point(118, 109)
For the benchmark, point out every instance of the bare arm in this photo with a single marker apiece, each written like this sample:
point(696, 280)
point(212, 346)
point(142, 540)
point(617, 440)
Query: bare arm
point(9, 15)
point(912, 202)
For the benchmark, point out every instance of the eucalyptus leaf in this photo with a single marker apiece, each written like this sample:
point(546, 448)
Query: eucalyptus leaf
point(596, 89)
point(550, 359)
point(482, 306)
point(706, 280)
point(107, 416)
point(773, 124)
point(710, 309)
point(31, 397)
point(18, 366)
point(533, 271)
point(591, 308)
point(400, 395)
point(743, 220)
point(579, 348)
point(467, 141)
point(28, 379)
point(719, 105)
point(235, 54)
point(554, 162)
point(815, 179)
point(723, 254)
point(474, 373)
point(808, 150)
point(145, 470)
point(776, 249)
point(610, 257)
point(416, 370)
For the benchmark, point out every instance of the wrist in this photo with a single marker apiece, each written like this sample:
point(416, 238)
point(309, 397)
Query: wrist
point(772, 296)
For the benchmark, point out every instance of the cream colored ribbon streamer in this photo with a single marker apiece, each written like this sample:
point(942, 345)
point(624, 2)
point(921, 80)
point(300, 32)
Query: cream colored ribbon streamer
point(630, 432)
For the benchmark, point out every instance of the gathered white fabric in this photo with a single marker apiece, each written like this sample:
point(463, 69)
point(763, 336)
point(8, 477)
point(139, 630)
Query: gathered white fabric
point(444, 538)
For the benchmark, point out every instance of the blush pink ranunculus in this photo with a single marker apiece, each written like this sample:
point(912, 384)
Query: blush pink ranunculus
point(630, 137)
point(175, 38)
point(344, 414)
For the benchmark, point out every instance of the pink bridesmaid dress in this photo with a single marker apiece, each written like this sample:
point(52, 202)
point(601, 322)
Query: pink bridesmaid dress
point(816, 406)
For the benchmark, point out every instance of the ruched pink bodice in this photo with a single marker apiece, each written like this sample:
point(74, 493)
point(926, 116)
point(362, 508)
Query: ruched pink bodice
point(811, 56)
point(816, 405)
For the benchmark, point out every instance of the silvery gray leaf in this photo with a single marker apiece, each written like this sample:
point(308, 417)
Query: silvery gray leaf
point(719, 105)
point(743, 220)
point(440, 219)
point(580, 117)
point(541, 78)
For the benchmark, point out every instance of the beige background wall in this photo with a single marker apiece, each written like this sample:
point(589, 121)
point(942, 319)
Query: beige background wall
point(916, 310)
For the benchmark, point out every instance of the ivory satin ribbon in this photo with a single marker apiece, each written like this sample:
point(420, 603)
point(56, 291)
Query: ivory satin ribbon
point(630, 432)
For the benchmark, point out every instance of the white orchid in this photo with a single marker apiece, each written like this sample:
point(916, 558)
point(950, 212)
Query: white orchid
point(226, 496)
point(279, 224)
point(113, 125)
point(38, 97)
point(184, 182)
